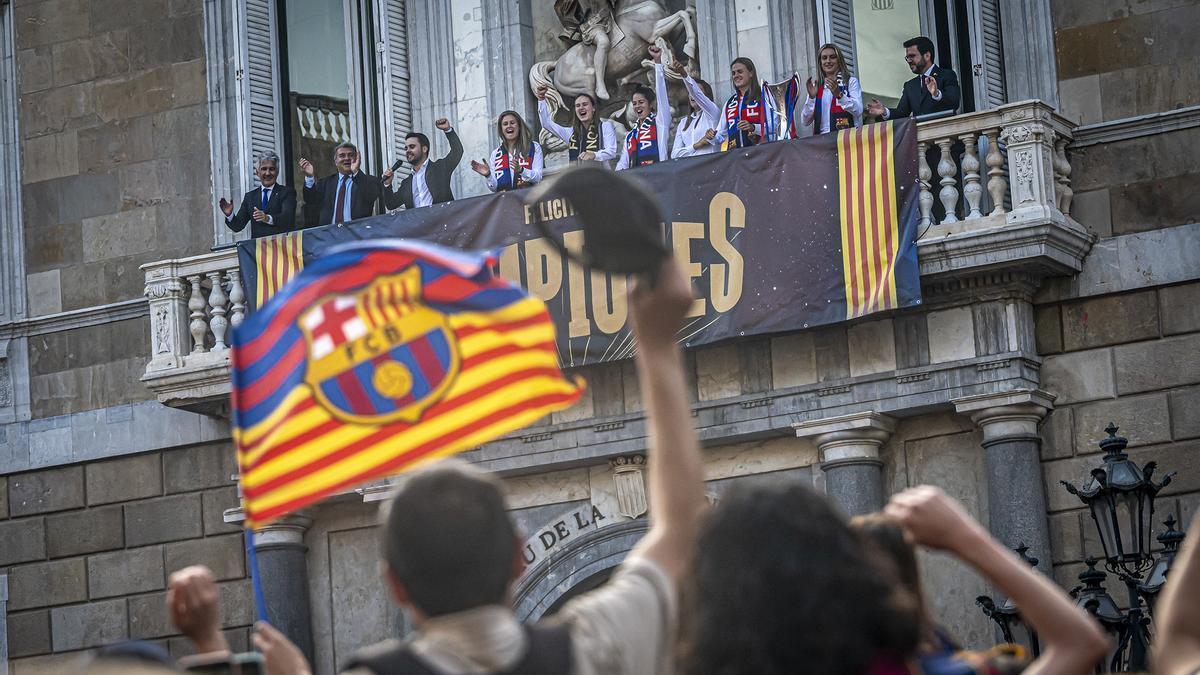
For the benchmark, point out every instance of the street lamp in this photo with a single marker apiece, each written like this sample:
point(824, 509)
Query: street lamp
point(1120, 497)
point(1008, 618)
point(1157, 576)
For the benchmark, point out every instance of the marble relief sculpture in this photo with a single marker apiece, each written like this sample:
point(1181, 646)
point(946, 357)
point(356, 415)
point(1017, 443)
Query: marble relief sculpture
point(607, 55)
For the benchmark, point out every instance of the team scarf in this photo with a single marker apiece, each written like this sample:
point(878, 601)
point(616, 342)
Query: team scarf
point(641, 143)
point(839, 117)
point(740, 108)
point(590, 144)
point(502, 168)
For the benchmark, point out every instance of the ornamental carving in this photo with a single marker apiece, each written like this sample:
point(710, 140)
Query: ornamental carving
point(163, 344)
point(1018, 134)
point(1024, 177)
point(629, 479)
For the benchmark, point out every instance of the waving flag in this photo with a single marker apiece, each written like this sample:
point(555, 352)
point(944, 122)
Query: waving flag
point(380, 355)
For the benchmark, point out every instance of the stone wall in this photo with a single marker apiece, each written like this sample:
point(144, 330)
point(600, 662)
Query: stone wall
point(88, 548)
point(1122, 58)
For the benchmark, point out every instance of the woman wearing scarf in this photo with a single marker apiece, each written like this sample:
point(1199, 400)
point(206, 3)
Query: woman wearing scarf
point(517, 161)
point(588, 138)
point(647, 143)
point(748, 117)
point(697, 134)
point(836, 102)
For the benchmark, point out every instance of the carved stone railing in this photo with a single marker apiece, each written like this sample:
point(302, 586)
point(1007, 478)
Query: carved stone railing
point(323, 118)
point(1003, 189)
point(194, 302)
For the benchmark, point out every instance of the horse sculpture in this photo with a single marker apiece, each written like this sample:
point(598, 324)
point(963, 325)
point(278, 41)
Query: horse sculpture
point(637, 24)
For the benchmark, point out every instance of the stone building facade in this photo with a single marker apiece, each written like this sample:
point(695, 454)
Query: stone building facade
point(1073, 305)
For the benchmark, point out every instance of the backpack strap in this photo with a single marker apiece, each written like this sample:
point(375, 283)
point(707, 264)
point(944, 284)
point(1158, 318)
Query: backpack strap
point(549, 653)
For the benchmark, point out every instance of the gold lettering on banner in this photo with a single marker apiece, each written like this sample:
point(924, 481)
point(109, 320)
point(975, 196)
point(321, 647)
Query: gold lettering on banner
point(682, 235)
point(609, 320)
point(510, 263)
point(578, 326)
point(543, 269)
point(725, 288)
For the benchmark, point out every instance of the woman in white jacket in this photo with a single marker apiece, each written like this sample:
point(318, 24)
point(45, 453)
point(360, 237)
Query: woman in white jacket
point(588, 138)
point(698, 133)
point(648, 141)
point(517, 162)
point(835, 103)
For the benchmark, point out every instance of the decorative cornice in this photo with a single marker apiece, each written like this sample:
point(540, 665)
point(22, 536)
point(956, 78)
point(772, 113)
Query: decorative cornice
point(1136, 127)
point(76, 318)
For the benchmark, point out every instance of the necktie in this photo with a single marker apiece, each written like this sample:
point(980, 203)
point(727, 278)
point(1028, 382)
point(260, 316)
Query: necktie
point(340, 206)
point(266, 195)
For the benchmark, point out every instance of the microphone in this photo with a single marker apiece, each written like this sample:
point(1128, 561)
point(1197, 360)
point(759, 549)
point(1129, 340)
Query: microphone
point(397, 165)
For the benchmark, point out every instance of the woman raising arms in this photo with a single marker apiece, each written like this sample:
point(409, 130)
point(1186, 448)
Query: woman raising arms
point(588, 138)
point(835, 103)
point(647, 142)
point(697, 134)
point(517, 162)
point(746, 119)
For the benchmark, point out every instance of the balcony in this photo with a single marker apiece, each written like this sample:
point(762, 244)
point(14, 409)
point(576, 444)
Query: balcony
point(1003, 184)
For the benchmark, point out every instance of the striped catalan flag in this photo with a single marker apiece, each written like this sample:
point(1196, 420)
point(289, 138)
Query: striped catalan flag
point(870, 221)
point(379, 356)
point(277, 258)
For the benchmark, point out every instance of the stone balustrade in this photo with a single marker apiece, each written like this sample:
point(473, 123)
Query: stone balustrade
point(999, 204)
point(194, 302)
point(323, 119)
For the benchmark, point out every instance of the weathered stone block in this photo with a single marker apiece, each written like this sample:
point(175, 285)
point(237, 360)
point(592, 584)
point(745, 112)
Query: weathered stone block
point(1185, 413)
point(102, 147)
point(1048, 329)
point(98, 57)
point(124, 479)
point(1066, 537)
point(199, 467)
point(225, 555)
point(833, 354)
point(87, 195)
point(91, 625)
point(117, 234)
point(28, 633)
point(871, 347)
point(148, 617)
point(237, 603)
point(214, 504)
point(45, 491)
point(582, 409)
point(164, 519)
point(3, 496)
point(43, 23)
point(1115, 319)
point(56, 110)
point(1058, 434)
point(168, 41)
point(51, 156)
point(86, 531)
point(1076, 47)
point(54, 246)
point(22, 540)
point(45, 293)
point(1080, 376)
point(124, 572)
point(1143, 420)
point(35, 69)
point(180, 131)
point(1093, 210)
point(717, 373)
point(754, 364)
point(1146, 366)
point(1151, 205)
point(50, 583)
point(793, 360)
point(912, 341)
point(1179, 307)
point(951, 335)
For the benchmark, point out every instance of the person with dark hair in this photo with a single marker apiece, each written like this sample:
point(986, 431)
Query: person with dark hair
point(834, 103)
point(697, 133)
point(933, 89)
point(429, 182)
point(746, 119)
point(517, 162)
point(648, 142)
point(588, 138)
point(269, 208)
point(348, 194)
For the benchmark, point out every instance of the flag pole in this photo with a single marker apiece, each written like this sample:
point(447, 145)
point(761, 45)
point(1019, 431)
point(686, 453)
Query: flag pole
point(260, 602)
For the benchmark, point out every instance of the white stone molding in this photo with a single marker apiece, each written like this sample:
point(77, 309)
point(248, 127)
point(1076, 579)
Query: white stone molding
point(12, 239)
point(1030, 65)
point(1007, 415)
point(853, 438)
point(1128, 128)
point(76, 318)
point(287, 532)
point(629, 479)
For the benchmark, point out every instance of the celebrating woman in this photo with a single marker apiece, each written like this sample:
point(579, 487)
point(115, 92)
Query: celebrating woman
point(588, 138)
point(517, 162)
point(647, 142)
point(836, 102)
point(748, 116)
point(698, 133)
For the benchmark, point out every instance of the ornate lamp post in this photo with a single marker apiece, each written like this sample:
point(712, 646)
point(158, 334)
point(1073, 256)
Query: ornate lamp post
point(1170, 539)
point(1121, 497)
point(1008, 618)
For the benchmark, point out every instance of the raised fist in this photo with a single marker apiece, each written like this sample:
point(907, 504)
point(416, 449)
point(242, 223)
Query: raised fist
point(656, 54)
point(541, 92)
point(442, 123)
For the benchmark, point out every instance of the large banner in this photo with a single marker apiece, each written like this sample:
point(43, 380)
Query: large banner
point(779, 237)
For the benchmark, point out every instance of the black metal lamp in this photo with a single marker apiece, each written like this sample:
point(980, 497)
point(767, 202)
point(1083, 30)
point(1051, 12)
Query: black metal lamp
point(1171, 539)
point(1093, 598)
point(1008, 618)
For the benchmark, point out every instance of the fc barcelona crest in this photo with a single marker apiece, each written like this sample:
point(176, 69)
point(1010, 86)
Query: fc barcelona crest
point(378, 355)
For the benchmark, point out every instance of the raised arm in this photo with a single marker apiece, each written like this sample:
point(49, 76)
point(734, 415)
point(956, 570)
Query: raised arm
point(1072, 642)
point(550, 125)
point(662, 113)
point(675, 485)
point(706, 104)
point(1176, 648)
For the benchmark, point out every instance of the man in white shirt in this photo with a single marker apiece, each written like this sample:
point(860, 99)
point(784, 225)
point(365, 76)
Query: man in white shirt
point(429, 182)
point(933, 89)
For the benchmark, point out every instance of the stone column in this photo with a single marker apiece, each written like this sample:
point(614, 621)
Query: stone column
point(849, 447)
point(1012, 447)
point(283, 573)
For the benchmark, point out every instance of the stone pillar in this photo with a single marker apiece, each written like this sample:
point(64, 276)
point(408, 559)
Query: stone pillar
point(849, 449)
point(508, 56)
point(283, 573)
point(1012, 447)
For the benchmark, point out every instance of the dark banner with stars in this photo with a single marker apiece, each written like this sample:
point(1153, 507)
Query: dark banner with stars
point(776, 238)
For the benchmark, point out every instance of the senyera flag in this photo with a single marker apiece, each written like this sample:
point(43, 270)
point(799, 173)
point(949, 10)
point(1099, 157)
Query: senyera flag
point(380, 355)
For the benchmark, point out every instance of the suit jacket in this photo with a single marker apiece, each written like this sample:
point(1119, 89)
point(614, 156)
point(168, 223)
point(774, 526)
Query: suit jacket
point(437, 178)
point(916, 99)
point(363, 197)
point(281, 207)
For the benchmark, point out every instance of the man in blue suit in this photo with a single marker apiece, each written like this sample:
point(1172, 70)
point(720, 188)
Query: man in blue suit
point(269, 209)
point(933, 89)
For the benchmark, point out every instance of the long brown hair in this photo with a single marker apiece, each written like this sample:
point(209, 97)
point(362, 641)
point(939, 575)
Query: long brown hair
point(524, 135)
point(579, 129)
point(755, 88)
point(843, 69)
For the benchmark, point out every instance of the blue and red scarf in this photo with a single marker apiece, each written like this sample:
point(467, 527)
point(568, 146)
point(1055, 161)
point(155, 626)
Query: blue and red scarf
point(641, 143)
point(740, 108)
point(502, 169)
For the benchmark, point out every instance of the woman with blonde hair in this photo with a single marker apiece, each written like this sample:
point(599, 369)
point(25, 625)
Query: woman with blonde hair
point(835, 101)
point(517, 162)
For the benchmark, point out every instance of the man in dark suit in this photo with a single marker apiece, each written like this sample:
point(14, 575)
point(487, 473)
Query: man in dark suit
point(933, 89)
point(429, 182)
point(346, 195)
point(270, 208)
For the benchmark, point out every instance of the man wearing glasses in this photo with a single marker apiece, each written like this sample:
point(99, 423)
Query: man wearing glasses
point(933, 90)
